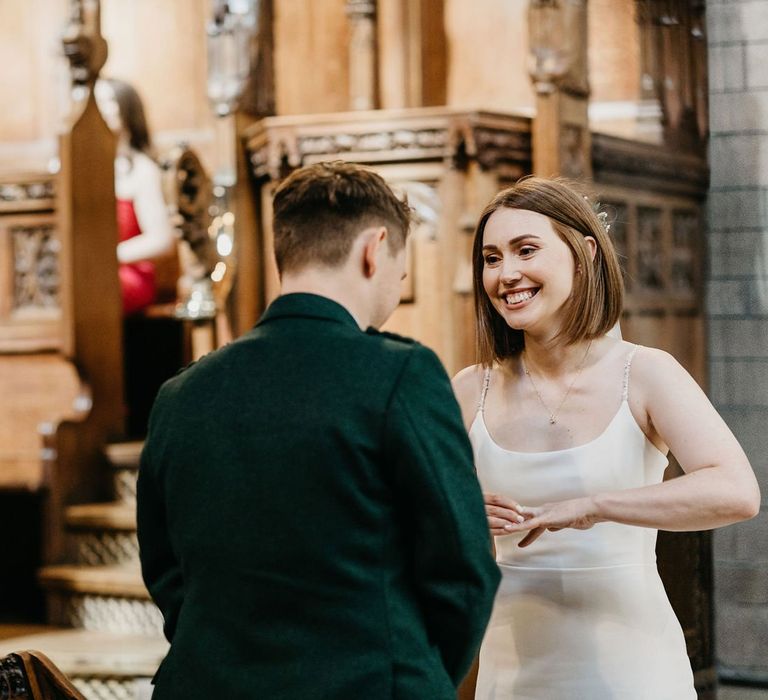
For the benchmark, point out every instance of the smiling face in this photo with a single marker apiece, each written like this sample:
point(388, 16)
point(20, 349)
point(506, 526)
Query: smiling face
point(528, 270)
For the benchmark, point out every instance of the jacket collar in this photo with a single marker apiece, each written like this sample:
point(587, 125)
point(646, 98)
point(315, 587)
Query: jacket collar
point(302, 305)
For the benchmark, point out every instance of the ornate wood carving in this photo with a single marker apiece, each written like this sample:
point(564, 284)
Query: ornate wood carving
point(648, 167)
point(35, 192)
point(650, 275)
point(30, 267)
point(684, 259)
point(659, 241)
point(36, 257)
point(13, 679)
point(557, 34)
point(558, 69)
point(84, 46)
point(280, 144)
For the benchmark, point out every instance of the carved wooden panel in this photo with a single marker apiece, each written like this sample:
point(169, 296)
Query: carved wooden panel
point(26, 193)
point(685, 263)
point(650, 255)
point(36, 274)
point(30, 282)
point(659, 241)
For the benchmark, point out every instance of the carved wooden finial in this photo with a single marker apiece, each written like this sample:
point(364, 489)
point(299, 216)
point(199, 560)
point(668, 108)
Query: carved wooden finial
point(84, 45)
point(558, 46)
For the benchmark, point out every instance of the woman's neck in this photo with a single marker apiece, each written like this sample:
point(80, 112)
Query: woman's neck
point(552, 356)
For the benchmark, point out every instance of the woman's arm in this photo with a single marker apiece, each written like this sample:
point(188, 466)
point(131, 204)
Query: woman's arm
point(499, 509)
point(156, 237)
point(467, 385)
point(718, 487)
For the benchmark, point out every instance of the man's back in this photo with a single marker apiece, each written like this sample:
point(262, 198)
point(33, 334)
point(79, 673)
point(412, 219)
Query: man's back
point(313, 513)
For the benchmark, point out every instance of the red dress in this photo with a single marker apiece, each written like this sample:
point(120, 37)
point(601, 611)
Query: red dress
point(137, 280)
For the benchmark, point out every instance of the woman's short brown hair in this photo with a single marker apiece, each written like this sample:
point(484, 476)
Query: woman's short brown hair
point(319, 210)
point(597, 298)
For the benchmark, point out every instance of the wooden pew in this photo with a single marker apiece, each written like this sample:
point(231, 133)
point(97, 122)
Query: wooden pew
point(61, 359)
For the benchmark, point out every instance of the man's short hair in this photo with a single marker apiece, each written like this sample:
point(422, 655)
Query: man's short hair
point(319, 210)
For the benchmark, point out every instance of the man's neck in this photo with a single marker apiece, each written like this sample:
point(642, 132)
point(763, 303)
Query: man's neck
point(332, 285)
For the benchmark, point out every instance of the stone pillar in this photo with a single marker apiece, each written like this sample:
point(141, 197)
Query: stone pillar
point(737, 309)
point(557, 32)
point(362, 54)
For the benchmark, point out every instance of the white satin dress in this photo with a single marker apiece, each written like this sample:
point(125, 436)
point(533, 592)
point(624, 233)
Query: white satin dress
point(580, 614)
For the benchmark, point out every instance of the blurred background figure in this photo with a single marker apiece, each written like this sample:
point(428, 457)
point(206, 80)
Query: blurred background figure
point(142, 216)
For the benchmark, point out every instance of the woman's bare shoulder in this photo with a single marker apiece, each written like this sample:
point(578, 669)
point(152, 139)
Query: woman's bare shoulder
point(467, 385)
point(468, 380)
point(654, 366)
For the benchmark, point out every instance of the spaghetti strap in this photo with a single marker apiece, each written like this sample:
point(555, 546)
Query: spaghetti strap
point(486, 384)
point(627, 366)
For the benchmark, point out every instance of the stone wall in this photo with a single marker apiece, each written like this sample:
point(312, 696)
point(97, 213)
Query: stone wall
point(737, 306)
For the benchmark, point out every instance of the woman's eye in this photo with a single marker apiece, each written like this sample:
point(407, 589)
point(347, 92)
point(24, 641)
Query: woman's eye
point(527, 250)
point(491, 259)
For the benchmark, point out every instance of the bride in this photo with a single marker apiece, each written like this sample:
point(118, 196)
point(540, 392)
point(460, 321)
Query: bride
point(571, 429)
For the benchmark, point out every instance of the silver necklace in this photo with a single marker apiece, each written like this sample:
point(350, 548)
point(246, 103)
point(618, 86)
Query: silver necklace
point(553, 414)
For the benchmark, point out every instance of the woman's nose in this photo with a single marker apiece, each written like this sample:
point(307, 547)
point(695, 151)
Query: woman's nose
point(510, 273)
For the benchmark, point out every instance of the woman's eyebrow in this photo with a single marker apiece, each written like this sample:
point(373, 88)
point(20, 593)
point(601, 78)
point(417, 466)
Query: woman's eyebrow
point(514, 240)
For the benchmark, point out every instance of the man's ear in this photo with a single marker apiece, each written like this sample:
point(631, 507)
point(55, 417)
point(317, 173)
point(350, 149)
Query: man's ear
point(376, 238)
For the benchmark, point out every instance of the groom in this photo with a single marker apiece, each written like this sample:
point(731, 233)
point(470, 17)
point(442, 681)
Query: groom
point(309, 520)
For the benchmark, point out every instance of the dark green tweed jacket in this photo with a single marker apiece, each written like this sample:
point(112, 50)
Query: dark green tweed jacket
point(309, 519)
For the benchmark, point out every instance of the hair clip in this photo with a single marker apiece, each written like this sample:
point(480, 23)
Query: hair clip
point(602, 216)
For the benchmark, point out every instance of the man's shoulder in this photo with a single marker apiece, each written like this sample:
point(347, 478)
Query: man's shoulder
point(208, 364)
point(392, 340)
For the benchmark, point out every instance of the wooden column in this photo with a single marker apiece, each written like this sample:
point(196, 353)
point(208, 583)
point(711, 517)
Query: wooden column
point(412, 53)
point(362, 54)
point(558, 58)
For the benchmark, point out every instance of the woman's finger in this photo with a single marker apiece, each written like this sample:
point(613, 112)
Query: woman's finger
point(531, 537)
point(499, 523)
point(494, 499)
point(505, 513)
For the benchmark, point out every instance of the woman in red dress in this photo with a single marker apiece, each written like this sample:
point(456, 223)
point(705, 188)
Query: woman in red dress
point(142, 217)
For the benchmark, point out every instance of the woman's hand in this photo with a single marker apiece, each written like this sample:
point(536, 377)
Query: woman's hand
point(576, 513)
point(503, 513)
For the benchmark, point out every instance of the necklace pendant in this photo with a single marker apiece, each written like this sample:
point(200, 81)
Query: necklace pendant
point(552, 420)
